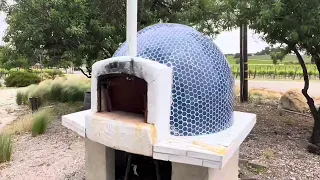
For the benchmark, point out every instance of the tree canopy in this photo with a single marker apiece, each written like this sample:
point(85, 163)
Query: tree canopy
point(269, 50)
point(83, 31)
point(292, 23)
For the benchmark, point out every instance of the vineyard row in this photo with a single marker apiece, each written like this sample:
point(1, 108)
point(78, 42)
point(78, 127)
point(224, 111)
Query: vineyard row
point(277, 71)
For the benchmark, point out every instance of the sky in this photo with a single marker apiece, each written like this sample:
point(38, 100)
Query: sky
point(3, 26)
point(228, 42)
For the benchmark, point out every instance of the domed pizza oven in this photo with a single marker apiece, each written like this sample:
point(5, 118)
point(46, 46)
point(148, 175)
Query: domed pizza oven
point(167, 113)
point(202, 89)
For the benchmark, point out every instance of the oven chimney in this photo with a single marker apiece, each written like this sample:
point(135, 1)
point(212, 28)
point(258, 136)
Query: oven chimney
point(132, 13)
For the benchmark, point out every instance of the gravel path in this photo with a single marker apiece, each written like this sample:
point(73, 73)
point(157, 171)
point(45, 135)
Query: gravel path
point(283, 86)
point(279, 142)
point(56, 155)
point(8, 106)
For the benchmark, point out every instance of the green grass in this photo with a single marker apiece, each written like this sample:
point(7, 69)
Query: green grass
point(52, 111)
point(58, 90)
point(231, 60)
point(72, 94)
point(19, 97)
point(40, 121)
point(5, 147)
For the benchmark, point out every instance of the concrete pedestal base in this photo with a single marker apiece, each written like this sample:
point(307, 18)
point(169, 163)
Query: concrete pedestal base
point(100, 165)
point(99, 161)
point(192, 172)
point(229, 172)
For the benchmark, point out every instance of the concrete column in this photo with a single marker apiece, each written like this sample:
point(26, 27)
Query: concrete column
point(100, 161)
point(192, 172)
point(188, 172)
point(230, 170)
point(132, 26)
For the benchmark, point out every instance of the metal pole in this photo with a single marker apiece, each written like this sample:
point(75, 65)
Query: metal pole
point(41, 67)
point(245, 63)
point(132, 27)
point(241, 64)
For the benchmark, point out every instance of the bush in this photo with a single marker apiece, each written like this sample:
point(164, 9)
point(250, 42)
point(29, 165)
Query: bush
point(56, 91)
point(52, 74)
point(19, 97)
point(41, 91)
point(40, 121)
point(5, 148)
point(72, 94)
point(21, 79)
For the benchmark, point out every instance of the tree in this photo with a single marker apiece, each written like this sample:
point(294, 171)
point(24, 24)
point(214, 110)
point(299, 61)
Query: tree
point(237, 55)
point(84, 31)
point(265, 51)
point(295, 24)
point(10, 59)
point(275, 56)
point(1, 54)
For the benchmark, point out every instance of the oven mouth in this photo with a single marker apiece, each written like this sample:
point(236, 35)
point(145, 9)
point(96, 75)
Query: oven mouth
point(122, 92)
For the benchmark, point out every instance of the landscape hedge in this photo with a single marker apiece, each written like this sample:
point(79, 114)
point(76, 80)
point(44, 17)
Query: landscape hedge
point(21, 79)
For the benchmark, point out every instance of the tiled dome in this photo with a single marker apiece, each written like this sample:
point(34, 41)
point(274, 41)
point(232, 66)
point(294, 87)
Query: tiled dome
point(203, 85)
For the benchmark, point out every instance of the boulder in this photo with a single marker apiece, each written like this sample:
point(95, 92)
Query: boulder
point(293, 100)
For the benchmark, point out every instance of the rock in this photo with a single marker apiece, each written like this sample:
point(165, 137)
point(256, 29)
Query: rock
point(293, 100)
point(257, 165)
point(243, 161)
point(280, 111)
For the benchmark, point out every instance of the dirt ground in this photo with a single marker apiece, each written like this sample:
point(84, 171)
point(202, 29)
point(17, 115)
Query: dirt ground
point(280, 143)
point(276, 141)
point(58, 154)
point(8, 107)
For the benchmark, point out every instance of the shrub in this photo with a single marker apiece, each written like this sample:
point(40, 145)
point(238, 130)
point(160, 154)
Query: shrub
point(5, 148)
point(41, 91)
point(25, 99)
point(72, 94)
point(19, 97)
point(40, 121)
point(54, 73)
point(21, 79)
point(61, 109)
point(56, 90)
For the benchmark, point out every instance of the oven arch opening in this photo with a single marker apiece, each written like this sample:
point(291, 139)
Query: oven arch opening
point(122, 92)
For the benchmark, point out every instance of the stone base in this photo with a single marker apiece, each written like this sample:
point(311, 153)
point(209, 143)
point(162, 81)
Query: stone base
point(99, 161)
point(230, 170)
point(100, 165)
point(192, 172)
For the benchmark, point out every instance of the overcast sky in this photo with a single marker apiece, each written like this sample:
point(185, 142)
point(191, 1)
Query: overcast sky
point(228, 42)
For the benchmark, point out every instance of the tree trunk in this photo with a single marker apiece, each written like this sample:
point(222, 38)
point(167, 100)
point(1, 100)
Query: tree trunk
point(315, 137)
point(88, 76)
